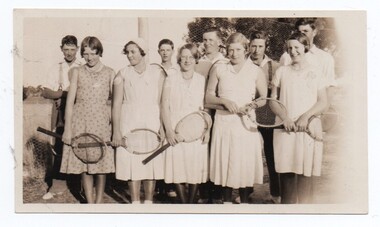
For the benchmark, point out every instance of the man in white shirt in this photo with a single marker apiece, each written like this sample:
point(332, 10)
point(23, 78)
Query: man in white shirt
point(212, 42)
point(57, 88)
point(320, 59)
point(258, 44)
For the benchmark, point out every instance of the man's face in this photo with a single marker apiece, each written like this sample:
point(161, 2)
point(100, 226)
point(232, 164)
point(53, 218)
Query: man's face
point(308, 31)
point(211, 42)
point(69, 52)
point(257, 48)
point(166, 52)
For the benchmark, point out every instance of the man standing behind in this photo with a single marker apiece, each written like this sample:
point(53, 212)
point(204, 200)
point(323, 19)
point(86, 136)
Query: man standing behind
point(166, 50)
point(57, 87)
point(212, 40)
point(258, 44)
point(318, 58)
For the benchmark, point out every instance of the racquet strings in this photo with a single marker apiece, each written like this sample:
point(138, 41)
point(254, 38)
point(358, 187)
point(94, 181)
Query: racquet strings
point(89, 155)
point(192, 127)
point(263, 112)
point(142, 141)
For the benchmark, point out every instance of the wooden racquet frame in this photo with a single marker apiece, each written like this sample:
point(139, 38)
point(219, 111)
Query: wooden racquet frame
point(252, 105)
point(207, 119)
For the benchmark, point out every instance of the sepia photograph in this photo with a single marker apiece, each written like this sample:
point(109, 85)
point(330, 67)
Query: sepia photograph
point(191, 112)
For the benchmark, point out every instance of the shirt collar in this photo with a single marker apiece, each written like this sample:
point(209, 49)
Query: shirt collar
point(313, 49)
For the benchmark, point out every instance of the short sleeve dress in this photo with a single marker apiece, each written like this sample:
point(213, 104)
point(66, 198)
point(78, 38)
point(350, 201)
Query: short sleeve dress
point(236, 146)
point(297, 152)
point(91, 114)
point(186, 162)
point(140, 109)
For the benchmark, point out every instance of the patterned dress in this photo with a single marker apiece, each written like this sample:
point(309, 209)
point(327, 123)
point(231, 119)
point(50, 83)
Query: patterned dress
point(91, 114)
point(186, 162)
point(140, 109)
point(298, 152)
point(236, 145)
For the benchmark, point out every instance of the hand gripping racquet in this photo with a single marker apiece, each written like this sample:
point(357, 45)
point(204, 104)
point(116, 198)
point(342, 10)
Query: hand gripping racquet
point(191, 127)
point(263, 112)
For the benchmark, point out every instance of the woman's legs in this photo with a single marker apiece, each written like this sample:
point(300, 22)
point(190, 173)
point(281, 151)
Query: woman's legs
point(181, 192)
point(193, 189)
point(100, 185)
point(88, 184)
point(134, 188)
point(244, 194)
point(227, 194)
point(305, 189)
point(149, 186)
point(288, 183)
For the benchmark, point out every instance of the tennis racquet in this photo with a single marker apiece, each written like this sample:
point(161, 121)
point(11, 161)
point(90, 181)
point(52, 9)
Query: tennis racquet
point(191, 128)
point(263, 111)
point(138, 141)
point(160, 67)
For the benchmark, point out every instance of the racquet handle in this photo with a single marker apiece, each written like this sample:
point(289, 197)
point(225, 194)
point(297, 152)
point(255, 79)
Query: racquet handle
point(50, 133)
point(214, 106)
point(153, 155)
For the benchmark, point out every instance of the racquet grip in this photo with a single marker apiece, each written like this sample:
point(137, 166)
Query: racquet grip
point(50, 133)
point(152, 156)
point(214, 106)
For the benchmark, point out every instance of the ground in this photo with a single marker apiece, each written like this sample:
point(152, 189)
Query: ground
point(324, 186)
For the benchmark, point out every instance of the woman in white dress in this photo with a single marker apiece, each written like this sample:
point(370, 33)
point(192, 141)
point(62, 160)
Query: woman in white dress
point(136, 104)
point(183, 93)
point(236, 146)
point(302, 90)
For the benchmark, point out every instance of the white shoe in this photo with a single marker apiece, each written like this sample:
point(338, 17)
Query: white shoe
point(276, 199)
point(237, 200)
point(48, 196)
point(172, 194)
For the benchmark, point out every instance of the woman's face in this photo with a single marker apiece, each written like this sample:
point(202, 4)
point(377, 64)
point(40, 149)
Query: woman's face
point(187, 60)
point(236, 53)
point(91, 57)
point(133, 54)
point(296, 50)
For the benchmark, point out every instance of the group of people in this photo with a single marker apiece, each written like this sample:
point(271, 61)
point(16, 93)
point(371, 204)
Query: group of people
point(110, 105)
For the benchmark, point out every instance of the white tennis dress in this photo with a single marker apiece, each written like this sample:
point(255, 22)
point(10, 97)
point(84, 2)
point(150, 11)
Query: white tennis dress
point(140, 109)
point(298, 152)
point(236, 148)
point(186, 162)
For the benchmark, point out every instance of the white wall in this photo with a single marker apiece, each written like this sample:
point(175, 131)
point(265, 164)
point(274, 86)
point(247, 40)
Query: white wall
point(42, 40)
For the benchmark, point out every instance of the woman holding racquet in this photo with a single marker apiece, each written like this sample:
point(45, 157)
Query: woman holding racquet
point(302, 90)
point(87, 112)
point(136, 104)
point(236, 159)
point(183, 94)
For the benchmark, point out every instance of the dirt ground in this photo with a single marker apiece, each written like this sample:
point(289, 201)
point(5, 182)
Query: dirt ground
point(117, 191)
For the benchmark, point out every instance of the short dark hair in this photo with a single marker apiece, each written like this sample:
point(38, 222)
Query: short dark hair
point(166, 41)
point(259, 35)
point(237, 37)
point(142, 52)
point(193, 49)
point(302, 38)
point(216, 30)
point(93, 43)
point(69, 40)
point(312, 21)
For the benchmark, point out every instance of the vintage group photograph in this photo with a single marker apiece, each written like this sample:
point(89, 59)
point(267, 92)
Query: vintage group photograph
point(190, 111)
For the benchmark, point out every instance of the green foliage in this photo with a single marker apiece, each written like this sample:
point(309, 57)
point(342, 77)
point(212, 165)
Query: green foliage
point(279, 29)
